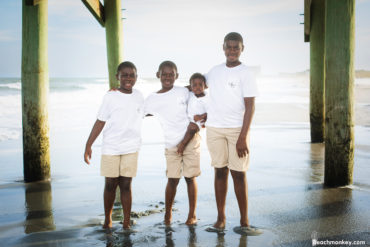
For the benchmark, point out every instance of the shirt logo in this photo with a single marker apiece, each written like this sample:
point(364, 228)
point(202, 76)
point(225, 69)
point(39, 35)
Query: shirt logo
point(139, 110)
point(232, 84)
point(182, 102)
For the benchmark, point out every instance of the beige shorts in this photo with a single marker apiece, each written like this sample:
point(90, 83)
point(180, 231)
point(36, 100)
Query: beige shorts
point(188, 164)
point(113, 166)
point(221, 144)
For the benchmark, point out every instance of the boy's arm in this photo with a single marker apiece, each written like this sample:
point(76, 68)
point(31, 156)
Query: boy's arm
point(190, 132)
point(242, 145)
point(96, 130)
point(201, 117)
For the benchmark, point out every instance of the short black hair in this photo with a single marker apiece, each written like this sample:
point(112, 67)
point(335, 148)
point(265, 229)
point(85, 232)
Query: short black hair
point(126, 64)
point(167, 64)
point(197, 76)
point(233, 36)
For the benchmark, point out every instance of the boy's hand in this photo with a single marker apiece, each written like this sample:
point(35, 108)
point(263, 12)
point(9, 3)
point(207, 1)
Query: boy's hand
point(87, 155)
point(202, 118)
point(197, 118)
point(180, 148)
point(241, 147)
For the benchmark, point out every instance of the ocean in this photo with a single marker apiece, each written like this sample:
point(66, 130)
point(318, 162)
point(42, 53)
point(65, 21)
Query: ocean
point(74, 101)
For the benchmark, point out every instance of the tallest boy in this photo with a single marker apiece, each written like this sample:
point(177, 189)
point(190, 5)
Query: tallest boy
point(232, 89)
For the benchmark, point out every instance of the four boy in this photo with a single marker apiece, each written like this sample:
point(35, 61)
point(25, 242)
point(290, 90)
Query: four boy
point(228, 114)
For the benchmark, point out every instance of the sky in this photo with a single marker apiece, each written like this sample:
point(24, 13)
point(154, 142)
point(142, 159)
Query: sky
point(188, 32)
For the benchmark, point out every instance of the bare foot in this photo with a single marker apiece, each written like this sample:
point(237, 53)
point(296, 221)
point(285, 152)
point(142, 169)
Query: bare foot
point(167, 219)
point(126, 225)
point(107, 224)
point(244, 223)
point(191, 221)
point(219, 224)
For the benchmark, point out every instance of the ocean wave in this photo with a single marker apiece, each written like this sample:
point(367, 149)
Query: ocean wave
point(59, 87)
point(362, 82)
point(13, 85)
point(102, 80)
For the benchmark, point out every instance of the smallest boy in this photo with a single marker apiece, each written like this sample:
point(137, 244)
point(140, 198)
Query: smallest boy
point(120, 115)
point(197, 105)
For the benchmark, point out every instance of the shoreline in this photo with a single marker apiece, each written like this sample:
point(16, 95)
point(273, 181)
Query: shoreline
point(286, 198)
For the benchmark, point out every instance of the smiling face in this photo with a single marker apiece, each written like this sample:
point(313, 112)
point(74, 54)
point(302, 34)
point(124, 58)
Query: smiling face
point(127, 78)
point(197, 86)
point(233, 50)
point(167, 76)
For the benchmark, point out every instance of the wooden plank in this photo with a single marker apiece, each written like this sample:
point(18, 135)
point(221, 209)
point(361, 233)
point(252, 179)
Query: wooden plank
point(33, 2)
point(307, 20)
point(96, 9)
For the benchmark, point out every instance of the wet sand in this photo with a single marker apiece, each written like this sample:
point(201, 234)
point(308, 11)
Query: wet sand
point(286, 193)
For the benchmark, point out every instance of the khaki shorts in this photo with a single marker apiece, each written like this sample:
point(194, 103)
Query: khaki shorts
point(221, 144)
point(113, 166)
point(188, 164)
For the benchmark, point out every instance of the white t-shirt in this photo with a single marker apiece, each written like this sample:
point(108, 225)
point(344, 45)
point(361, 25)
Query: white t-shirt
point(170, 109)
point(123, 114)
point(196, 106)
point(227, 89)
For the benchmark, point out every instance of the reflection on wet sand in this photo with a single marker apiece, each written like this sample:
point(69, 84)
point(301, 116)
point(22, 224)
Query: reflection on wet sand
point(192, 238)
point(317, 152)
point(220, 239)
point(125, 241)
point(243, 241)
point(39, 211)
point(169, 241)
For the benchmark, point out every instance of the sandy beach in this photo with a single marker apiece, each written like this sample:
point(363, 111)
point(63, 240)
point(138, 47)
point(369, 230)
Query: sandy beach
point(286, 193)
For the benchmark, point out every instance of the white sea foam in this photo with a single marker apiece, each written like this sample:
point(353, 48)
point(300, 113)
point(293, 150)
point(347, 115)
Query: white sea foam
point(102, 80)
point(362, 82)
point(14, 85)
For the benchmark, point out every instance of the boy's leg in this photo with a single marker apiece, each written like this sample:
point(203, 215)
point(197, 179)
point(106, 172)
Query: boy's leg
point(191, 170)
point(126, 199)
point(192, 195)
point(221, 179)
point(241, 192)
point(170, 197)
point(218, 149)
point(109, 196)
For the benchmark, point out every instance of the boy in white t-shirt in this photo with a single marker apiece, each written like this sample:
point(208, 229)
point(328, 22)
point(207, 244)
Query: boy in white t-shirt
point(197, 106)
point(232, 89)
point(182, 142)
point(120, 115)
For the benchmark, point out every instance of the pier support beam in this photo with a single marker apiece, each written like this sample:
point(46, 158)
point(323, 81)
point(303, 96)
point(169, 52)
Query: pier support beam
point(35, 90)
point(339, 67)
point(317, 70)
point(114, 38)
